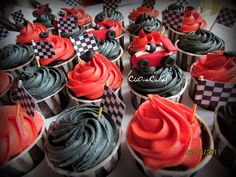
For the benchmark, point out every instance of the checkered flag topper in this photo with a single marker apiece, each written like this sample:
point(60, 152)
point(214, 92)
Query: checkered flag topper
point(173, 19)
point(18, 16)
point(43, 49)
point(84, 43)
point(27, 102)
point(3, 32)
point(72, 3)
point(211, 93)
point(149, 3)
point(112, 105)
point(110, 5)
point(226, 17)
point(67, 25)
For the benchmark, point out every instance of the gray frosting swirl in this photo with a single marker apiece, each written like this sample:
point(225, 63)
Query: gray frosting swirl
point(41, 82)
point(176, 7)
point(78, 141)
point(165, 82)
point(77, 32)
point(110, 49)
point(200, 42)
point(144, 22)
point(115, 15)
point(15, 55)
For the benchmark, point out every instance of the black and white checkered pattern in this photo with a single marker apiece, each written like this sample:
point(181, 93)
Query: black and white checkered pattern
point(66, 25)
point(149, 3)
point(83, 43)
point(26, 100)
point(110, 5)
point(43, 49)
point(172, 18)
point(212, 94)
point(18, 16)
point(226, 17)
point(72, 3)
point(112, 105)
point(183, 2)
point(3, 32)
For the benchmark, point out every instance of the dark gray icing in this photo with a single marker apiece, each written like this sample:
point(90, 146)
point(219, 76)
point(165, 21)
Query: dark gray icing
point(78, 141)
point(115, 15)
point(109, 48)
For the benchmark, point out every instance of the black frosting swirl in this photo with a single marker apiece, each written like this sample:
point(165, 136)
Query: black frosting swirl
point(77, 32)
point(176, 7)
point(115, 15)
point(41, 82)
point(165, 82)
point(78, 141)
point(46, 19)
point(227, 121)
point(144, 22)
point(200, 42)
point(110, 49)
point(15, 55)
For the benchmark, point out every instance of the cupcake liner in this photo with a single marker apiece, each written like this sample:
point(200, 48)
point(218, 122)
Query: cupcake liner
point(214, 94)
point(101, 170)
point(5, 96)
point(118, 60)
point(27, 159)
point(226, 152)
point(15, 72)
point(121, 39)
point(88, 25)
point(137, 99)
point(171, 173)
point(79, 101)
point(185, 59)
point(174, 35)
point(68, 65)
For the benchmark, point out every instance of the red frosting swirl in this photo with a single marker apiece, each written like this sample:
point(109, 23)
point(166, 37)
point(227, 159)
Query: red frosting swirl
point(83, 18)
point(216, 67)
point(141, 10)
point(192, 21)
point(63, 49)
point(30, 32)
point(112, 25)
point(5, 82)
point(17, 133)
point(162, 131)
point(88, 78)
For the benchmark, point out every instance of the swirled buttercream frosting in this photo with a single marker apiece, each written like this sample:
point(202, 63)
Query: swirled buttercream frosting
point(109, 48)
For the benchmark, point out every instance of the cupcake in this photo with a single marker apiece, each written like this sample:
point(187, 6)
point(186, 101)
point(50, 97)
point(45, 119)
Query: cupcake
point(112, 50)
point(192, 21)
point(192, 46)
point(154, 72)
point(145, 23)
point(6, 81)
point(47, 86)
point(142, 10)
point(21, 141)
point(30, 31)
point(87, 147)
point(14, 58)
point(87, 80)
point(83, 19)
point(44, 16)
point(224, 135)
point(165, 140)
point(218, 68)
point(65, 57)
point(114, 15)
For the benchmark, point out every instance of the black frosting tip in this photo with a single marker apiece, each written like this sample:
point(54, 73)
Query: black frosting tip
point(111, 35)
point(88, 55)
point(150, 47)
point(229, 53)
point(147, 29)
point(167, 61)
point(100, 17)
point(61, 13)
point(25, 23)
point(97, 27)
point(43, 34)
point(140, 18)
point(190, 8)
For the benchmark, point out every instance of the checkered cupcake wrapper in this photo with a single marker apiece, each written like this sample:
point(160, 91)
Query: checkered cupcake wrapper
point(210, 94)
point(27, 160)
point(101, 170)
point(226, 151)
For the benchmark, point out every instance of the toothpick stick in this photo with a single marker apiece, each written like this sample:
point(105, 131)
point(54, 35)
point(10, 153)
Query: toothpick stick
point(194, 108)
point(18, 103)
point(105, 13)
point(212, 25)
point(37, 60)
point(162, 29)
point(100, 108)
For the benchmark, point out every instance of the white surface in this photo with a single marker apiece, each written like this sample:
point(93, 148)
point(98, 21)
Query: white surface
point(126, 166)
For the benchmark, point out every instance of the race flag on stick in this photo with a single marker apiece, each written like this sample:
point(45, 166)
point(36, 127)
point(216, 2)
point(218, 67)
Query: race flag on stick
point(43, 49)
point(18, 17)
point(84, 43)
point(72, 3)
point(67, 25)
point(3, 32)
point(172, 18)
point(226, 17)
point(112, 105)
point(149, 3)
point(110, 5)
